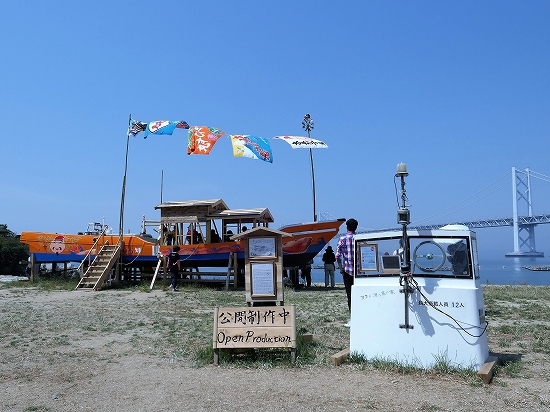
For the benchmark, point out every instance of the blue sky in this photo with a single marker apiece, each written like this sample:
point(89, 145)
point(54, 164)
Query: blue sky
point(457, 90)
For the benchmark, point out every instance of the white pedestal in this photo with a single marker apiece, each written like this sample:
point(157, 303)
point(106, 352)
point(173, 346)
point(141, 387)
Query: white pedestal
point(378, 310)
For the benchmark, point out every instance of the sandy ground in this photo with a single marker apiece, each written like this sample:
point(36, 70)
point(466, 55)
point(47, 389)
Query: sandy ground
point(51, 361)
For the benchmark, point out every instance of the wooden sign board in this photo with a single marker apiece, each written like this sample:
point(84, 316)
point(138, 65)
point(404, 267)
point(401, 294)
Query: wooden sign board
point(254, 327)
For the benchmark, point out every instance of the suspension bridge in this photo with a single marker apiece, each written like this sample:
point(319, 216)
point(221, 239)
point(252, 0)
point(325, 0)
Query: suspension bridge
point(524, 226)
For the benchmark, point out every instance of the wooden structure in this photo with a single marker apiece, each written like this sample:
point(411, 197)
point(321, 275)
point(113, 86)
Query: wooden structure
point(100, 268)
point(263, 265)
point(194, 275)
point(206, 221)
point(252, 328)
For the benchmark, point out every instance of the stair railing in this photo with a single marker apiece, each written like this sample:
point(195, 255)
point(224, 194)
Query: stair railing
point(88, 256)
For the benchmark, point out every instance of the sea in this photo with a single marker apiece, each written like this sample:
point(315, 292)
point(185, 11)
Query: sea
point(502, 271)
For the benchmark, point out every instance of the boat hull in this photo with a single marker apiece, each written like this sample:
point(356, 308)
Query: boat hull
point(306, 242)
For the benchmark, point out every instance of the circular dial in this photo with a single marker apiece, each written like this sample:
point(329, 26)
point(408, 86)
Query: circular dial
point(429, 256)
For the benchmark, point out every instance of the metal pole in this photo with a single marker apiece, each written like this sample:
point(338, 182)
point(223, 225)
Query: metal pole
point(307, 125)
point(123, 196)
point(161, 184)
point(403, 218)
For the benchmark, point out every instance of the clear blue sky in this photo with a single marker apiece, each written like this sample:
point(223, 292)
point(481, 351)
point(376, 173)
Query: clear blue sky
point(460, 91)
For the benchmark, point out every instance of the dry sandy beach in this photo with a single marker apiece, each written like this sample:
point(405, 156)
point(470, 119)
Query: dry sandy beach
point(130, 350)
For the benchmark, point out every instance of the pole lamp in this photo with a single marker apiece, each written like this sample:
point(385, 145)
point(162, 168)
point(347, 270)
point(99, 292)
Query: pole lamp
point(307, 125)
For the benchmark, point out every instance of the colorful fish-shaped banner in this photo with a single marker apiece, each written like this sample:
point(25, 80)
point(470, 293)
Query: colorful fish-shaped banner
point(298, 142)
point(164, 127)
point(254, 147)
point(202, 139)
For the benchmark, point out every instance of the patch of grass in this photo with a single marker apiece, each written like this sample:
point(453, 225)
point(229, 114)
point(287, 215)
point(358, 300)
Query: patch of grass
point(429, 407)
point(306, 354)
point(511, 369)
point(440, 366)
point(46, 283)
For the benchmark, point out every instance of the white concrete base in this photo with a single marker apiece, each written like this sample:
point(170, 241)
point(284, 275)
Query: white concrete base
point(378, 310)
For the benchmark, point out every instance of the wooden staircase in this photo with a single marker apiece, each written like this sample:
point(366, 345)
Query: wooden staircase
point(100, 268)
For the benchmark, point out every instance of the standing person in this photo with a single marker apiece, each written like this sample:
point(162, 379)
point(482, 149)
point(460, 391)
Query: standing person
point(345, 258)
point(329, 259)
point(306, 273)
point(173, 265)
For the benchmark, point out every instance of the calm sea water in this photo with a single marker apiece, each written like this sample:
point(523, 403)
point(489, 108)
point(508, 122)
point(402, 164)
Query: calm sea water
point(503, 271)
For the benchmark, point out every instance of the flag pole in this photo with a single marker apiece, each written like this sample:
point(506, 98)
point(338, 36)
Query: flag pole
point(161, 183)
point(307, 125)
point(123, 195)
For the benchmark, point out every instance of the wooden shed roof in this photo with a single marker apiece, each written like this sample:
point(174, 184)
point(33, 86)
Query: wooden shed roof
point(243, 215)
point(217, 204)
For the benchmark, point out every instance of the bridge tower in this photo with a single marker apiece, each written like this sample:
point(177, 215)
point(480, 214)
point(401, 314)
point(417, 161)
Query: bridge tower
point(524, 233)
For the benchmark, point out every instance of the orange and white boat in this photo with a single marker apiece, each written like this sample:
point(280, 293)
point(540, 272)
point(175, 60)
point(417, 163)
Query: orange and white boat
point(202, 229)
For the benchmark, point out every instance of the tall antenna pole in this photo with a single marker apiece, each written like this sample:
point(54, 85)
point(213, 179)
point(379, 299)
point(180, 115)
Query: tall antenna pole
point(307, 125)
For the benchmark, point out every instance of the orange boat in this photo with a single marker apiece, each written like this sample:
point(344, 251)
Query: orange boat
point(202, 229)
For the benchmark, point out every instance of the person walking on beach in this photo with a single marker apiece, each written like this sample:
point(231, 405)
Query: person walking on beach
point(173, 266)
point(345, 258)
point(329, 259)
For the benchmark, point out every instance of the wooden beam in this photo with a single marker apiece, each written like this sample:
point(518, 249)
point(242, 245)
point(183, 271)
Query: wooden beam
point(340, 357)
point(34, 267)
point(487, 369)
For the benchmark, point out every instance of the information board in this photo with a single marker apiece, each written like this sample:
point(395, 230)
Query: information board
point(262, 279)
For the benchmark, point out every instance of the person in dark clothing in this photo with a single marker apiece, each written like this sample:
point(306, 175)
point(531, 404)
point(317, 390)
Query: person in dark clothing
point(173, 266)
point(328, 259)
point(306, 273)
point(214, 237)
point(227, 237)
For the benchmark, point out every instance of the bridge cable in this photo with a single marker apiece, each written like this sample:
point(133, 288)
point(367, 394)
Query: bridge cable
point(462, 201)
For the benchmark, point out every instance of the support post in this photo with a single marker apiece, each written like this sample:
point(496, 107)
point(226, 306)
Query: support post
point(33, 267)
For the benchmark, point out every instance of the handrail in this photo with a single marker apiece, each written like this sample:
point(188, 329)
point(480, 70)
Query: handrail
point(88, 255)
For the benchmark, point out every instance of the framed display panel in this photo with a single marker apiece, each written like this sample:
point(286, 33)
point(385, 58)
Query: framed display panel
point(262, 280)
point(445, 255)
point(367, 258)
point(262, 247)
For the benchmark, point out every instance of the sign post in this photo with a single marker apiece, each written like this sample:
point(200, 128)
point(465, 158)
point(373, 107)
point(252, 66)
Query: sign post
point(262, 323)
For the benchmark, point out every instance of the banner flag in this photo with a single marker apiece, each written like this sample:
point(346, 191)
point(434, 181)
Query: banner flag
point(164, 127)
point(299, 142)
point(254, 147)
point(201, 139)
point(136, 127)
